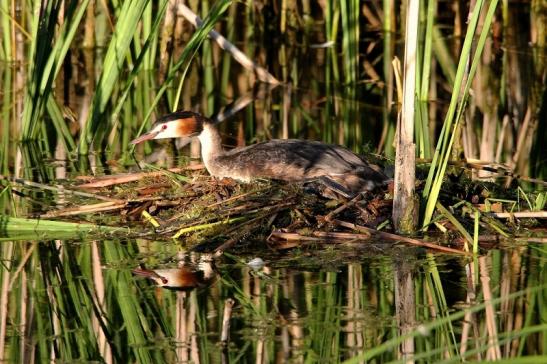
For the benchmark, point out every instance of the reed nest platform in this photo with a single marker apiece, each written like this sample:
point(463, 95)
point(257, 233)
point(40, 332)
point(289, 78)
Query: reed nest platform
point(215, 215)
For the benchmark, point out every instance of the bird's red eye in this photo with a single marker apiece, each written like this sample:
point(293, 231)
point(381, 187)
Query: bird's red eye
point(164, 126)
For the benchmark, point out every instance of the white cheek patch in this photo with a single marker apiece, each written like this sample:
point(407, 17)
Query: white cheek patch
point(165, 131)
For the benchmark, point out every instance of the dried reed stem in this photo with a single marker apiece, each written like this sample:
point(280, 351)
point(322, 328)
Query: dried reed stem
point(239, 56)
point(405, 216)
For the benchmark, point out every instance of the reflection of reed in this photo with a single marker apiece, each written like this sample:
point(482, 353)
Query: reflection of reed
point(283, 315)
point(6, 250)
point(98, 283)
point(355, 327)
point(493, 352)
point(405, 307)
point(182, 329)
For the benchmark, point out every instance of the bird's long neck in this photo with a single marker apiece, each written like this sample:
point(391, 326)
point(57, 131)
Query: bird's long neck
point(211, 144)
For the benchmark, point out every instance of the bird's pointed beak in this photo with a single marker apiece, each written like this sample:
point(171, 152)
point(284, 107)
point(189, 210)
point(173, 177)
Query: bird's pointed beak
point(142, 138)
point(151, 274)
point(148, 273)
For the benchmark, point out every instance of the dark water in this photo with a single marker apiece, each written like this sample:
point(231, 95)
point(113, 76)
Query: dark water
point(322, 303)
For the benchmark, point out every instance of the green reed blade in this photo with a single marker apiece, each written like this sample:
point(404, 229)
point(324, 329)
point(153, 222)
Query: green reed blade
point(48, 60)
point(195, 43)
point(127, 23)
point(56, 115)
point(13, 226)
point(455, 111)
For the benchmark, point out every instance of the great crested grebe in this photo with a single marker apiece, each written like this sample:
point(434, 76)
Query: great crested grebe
point(279, 159)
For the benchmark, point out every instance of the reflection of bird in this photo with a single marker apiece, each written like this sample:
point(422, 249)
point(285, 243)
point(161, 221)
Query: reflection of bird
point(281, 159)
point(178, 278)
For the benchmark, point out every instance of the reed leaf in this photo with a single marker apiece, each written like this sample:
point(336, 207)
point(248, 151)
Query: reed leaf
point(49, 55)
point(142, 60)
point(127, 22)
point(13, 226)
point(457, 104)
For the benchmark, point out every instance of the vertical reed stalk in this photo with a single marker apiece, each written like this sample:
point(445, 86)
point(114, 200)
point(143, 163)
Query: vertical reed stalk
point(404, 201)
point(424, 86)
point(350, 38)
point(388, 29)
point(208, 68)
point(128, 21)
point(456, 108)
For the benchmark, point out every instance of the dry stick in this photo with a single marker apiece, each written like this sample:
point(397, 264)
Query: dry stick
point(226, 215)
point(338, 210)
point(85, 209)
point(319, 235)
point(131, 177)
point(533, 240)
point(291, 236)
point(523, 132)
point(237, 197)
point(99, 207)
point(42, 186)
point(226, 316)
point(240, 57)
point(341, 235)
point(396, 237)
point(520, 214)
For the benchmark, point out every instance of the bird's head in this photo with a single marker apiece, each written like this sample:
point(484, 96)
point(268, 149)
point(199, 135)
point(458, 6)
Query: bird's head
point(180, 124)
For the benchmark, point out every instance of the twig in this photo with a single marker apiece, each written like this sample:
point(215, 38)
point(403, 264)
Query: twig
point(193, 228)
point(237, 197)
point(396, 237)
point(291, 236)
point(86, 209)
point(533, 240)
point(338, 210)
point(240, 57)
point(319, 235)
point(117, 179)
point(62, 189)
point(520, 214)
point(341, 235)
